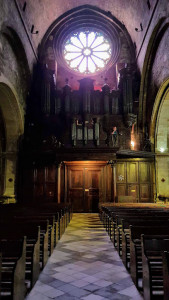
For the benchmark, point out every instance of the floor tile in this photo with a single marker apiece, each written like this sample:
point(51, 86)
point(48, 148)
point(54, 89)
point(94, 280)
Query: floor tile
point(84, 265)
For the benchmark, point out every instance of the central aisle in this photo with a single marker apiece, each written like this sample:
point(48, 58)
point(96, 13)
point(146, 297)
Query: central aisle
point(84, 265)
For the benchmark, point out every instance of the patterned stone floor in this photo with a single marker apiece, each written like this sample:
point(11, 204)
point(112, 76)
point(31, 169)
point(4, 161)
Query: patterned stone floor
point(84, 265)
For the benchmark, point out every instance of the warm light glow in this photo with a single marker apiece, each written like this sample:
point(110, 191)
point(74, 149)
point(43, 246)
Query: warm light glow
point(162, 149)
point(87, 52)
point(132, 145)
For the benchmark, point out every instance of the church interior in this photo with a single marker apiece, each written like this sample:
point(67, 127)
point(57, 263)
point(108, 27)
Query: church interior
point(84, 149)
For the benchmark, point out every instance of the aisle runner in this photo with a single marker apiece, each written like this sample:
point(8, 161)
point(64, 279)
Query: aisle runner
point(84, 265)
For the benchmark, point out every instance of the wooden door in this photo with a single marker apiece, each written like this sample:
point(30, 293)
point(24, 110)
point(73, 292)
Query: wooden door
point(133, 190)
point(145, 182)
point(134, 178)
point(76, 188)
point(83, 184)
point(92, 185)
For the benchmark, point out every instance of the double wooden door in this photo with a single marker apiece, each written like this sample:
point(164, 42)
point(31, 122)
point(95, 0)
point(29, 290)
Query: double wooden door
point(135, 178)
point(84, 185)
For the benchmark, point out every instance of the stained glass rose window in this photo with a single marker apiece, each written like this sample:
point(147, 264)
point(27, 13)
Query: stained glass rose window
point(87, 52)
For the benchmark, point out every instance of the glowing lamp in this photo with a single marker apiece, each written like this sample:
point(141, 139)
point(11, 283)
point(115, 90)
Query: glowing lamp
point(132, 144)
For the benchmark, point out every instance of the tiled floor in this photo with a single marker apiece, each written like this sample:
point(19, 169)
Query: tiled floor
point(84, 265)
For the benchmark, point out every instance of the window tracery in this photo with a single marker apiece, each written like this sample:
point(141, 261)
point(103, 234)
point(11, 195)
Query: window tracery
point(87, 51)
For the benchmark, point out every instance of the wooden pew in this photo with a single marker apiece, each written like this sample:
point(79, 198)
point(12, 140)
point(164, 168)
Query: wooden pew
point(123, 234)
point(55, 219)
point(13, 269)
point(136, 267)
point(39, 219)
point(115, 216)
point(17, 230)
point(52, 229)
point(166, 274)
point(119, 220)
point(152, 252)
point(106, 212)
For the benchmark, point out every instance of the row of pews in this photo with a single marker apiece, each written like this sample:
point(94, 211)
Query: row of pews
point(28, 235)
point(141, 237)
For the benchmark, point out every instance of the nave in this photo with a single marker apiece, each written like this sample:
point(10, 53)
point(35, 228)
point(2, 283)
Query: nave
point(84, 265)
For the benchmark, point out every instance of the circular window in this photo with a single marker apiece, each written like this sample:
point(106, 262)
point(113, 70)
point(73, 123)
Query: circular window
point(87, 52)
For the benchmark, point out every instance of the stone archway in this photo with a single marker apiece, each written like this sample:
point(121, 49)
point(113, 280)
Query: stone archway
point(14, 128)
point(159, 135)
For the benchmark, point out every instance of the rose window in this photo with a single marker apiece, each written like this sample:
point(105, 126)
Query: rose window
point(87, 52)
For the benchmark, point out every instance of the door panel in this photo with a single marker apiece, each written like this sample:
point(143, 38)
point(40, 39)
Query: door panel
point(76, 178)
point(76, 188)
point(121, 173)
point(133, 190)
point(50, 190)
point(132, 172)
point(38, 192)
point(84, 185)
point(121, 190)
point(144, 171)
point(92, 180)
point(145, 192)
point(51, 173)
point(76, 197)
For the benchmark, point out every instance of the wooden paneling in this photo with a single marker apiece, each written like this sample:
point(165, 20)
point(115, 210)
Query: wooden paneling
point(76, 189)
point(38, 192)
point(138, 180)
point(50, 190)
point(133, 190)
point(40, 175)
point(76, 198)
point(121, 172)
point(84, 184)
point(132, 172)
point(76, 178)
point(145, 192)
point(144, 172)
point(92, 179)
point(50, 173)
point(121, 189)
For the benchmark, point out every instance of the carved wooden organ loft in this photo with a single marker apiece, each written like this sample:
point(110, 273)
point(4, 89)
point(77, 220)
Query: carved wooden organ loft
point(83, 118)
